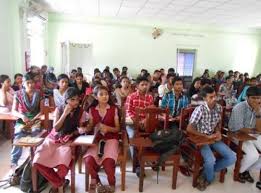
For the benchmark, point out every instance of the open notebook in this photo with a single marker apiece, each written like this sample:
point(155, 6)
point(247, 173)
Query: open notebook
point(29, 140)
point(84, 139)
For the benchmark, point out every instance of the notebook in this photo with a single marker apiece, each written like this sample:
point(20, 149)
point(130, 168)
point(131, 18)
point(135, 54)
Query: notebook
point(84, 139)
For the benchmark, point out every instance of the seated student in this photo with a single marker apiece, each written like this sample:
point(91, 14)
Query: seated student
point(125, 69)
point(58, 94)
point(166, 87)
point(196, 99)
point(227, 92)
point(18, 81)
point(55, 152)
point(242, 96)
point(116, 76)
point(194, 87)
point(72, 77)
point(227, 88)
point(175, 100)
point(244, 118)
point(156, 81)
point(50, 83)
point(80, 85)
point(141, 99)
point(204, 122)
point(38, 79)
point(104, 120)
point(26, 106)
point(123, 91)
point(6, 94)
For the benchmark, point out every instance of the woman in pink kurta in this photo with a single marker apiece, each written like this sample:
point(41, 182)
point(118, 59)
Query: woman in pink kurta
point(55, 152)
point(103, 118)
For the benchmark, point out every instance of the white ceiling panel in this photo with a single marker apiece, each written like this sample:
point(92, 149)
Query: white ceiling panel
point(221, 12)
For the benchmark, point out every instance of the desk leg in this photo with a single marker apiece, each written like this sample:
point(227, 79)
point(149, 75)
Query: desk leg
point(73, 170)
point(34, 171)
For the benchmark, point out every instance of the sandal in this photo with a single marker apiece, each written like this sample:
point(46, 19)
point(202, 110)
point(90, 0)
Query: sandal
point(201, 183)
point(100, 188)
point(66, 184)
point(247, 177)
point(109, 189)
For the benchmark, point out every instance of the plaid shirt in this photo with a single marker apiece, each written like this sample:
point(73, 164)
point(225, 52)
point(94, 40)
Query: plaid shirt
point(205, 120)
point(175, 105)
point(136, 100)
point(243, 116)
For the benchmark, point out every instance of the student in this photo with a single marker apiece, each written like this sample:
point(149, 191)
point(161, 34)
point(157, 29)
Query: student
point(140, 99)
point(55, 152)
point(123, 91)
point(164, 88)
point(227, 93)
point(116, 75)
point(125, 69)
point(18, 81)
point(80, 85)
point(226, 89)
point(205, 74)
point(242, 96)
point(6, 94)
point(175, 100)
point(104, 120)
point(194, 87)
point(50, 83)
point(58, 94)
point(244, 118)
point(26, 106)
point(204, 122)
point(197, 99)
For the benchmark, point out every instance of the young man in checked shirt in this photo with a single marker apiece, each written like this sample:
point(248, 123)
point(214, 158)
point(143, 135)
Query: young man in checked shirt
point(204, 122)
point(245, 117)
point(141, 99)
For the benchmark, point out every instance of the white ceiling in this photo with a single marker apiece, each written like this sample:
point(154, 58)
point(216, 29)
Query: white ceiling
point(243, 13)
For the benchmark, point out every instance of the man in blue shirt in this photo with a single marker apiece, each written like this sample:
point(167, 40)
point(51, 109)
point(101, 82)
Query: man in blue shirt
point(245, 117)
point(175, 100)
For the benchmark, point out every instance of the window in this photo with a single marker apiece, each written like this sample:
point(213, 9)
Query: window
point(35, 37)
point(185, 61)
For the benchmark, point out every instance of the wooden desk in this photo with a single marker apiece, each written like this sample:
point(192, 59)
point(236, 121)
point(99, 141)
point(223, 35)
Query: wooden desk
point(82, 140)
point(8, 117)
point(200, 140)
point(240, 136)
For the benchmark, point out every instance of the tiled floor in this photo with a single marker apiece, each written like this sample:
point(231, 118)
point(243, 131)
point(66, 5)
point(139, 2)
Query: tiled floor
point(150, 183)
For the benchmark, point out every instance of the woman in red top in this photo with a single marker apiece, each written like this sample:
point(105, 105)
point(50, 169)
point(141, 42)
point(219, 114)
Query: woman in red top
point(104, 120)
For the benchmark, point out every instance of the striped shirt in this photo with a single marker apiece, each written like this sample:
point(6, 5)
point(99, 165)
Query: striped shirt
point(205, 120)
point(243, 116)
point(174, 104)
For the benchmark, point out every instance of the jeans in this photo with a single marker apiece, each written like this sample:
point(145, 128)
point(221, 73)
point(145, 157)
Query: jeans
point(211, 164)
point(17, 151)
point(130, 131)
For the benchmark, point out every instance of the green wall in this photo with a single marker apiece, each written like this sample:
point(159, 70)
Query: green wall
point(10, 48)
point(119, 42)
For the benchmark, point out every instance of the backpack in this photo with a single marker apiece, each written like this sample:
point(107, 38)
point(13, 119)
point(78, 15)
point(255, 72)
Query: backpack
point(26, 180)
point(15, 178)
point(166, 143)
point(23, 176)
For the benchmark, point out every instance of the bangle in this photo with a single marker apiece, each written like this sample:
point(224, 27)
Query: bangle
point(258, 116)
